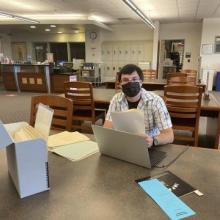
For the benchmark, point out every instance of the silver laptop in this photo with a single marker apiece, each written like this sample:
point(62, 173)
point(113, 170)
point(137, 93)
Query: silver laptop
point(121, 145)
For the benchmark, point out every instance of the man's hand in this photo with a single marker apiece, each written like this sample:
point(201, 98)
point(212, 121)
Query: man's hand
point(148, 139)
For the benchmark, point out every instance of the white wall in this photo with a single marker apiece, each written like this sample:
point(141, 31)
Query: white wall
point(210, 30)
point(126, 32)
point(123, 32)
point(155, 45)
point(191, 33)
point(93, 46)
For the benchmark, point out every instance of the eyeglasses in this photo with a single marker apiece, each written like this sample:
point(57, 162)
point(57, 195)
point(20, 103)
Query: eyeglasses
point(126, 80)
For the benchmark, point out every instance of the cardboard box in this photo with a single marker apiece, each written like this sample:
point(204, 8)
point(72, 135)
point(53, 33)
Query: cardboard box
point(27, 161)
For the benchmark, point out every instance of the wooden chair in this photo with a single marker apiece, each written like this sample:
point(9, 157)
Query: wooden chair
point(180, 79)
point(191, 73)
point(81, 94)
point(63, 108)
point(117, 83)
point(183, 104)
point(149, 74)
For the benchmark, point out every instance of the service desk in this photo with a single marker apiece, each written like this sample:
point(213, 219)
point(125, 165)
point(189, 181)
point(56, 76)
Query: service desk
point(26, 77)
point(101, 187)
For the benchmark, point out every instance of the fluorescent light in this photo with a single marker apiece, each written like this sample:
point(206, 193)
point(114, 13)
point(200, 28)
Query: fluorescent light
point(130, 4)
point(59, 32)
point(57, 16)
point(146, 20)
point(96, 18)
point(32, 26)
point(47, 29)
point(76, 31)
point(18, 17)
point(53, 25)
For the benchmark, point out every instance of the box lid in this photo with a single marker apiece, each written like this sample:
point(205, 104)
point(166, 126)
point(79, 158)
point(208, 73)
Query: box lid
point(5, 138)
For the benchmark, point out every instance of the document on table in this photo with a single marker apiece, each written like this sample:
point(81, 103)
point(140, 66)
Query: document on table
point(168, 201)
point(77, 151)
point(64, 138)
point(43, 120)
point(131, 121)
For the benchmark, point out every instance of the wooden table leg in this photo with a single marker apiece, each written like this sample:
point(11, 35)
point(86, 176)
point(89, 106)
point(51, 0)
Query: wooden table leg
point(217, 133)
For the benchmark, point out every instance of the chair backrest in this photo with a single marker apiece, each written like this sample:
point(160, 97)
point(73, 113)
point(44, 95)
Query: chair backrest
point(149, 74)
point(180, 79)
point(183, 104)
point(191, 73)
point(63, 107)
point(81, 94)
point(117, 83)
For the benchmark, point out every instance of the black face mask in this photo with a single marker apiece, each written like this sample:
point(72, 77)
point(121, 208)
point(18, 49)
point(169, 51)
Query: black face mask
point(131, 89)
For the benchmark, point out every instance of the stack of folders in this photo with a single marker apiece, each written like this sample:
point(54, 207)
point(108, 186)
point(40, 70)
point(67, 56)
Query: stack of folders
point(72, 145)
point(27, 133)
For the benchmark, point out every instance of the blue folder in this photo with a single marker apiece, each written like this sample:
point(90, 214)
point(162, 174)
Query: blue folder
point(168, 201)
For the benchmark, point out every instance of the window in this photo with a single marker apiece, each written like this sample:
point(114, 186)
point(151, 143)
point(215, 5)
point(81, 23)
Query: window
point(59, 51)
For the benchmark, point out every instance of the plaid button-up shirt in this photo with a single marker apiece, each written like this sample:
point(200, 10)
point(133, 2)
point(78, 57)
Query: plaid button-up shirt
point(155, 111)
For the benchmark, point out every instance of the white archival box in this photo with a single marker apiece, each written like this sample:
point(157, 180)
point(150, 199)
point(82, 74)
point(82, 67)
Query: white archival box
point(27, 160)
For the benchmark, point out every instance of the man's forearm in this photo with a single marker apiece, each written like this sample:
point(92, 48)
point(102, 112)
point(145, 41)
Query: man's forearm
point(165, 137)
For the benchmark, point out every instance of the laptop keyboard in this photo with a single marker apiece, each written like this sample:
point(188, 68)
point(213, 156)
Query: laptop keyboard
point(156, 156)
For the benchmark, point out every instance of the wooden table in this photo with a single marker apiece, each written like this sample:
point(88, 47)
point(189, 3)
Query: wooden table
point(150, 85)
point(101, 187)
point(209, 108)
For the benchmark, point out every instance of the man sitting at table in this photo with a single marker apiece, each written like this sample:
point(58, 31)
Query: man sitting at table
point(158, 126)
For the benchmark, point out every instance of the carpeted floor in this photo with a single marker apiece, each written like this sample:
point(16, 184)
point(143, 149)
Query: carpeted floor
point(14, 106)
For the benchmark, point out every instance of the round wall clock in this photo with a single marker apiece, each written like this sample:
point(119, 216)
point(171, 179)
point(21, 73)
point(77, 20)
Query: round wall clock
point(93, 35)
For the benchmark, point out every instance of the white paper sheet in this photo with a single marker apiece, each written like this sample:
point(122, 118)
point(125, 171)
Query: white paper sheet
point(77, 151)
point(43, 120)
point(131, 121)
point(64, 138)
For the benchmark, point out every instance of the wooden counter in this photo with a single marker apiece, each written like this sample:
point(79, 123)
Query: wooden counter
point(26, 77)
point(8, 77)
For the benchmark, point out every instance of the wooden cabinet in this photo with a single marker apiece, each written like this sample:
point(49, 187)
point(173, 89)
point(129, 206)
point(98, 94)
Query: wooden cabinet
point(57, 82)
point(9, 81)
point(32, 82)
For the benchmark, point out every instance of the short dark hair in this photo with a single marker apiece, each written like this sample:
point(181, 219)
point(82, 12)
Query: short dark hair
point(129, 69)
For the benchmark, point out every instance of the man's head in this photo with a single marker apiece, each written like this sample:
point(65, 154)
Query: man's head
point(130, 78)
point(128, 70)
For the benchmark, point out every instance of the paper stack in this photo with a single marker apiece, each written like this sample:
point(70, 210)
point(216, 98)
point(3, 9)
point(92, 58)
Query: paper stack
point(72, 145)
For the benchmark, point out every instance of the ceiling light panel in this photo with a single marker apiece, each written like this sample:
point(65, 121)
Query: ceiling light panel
point(18, 4)
point(57, 16)
point(158, 9)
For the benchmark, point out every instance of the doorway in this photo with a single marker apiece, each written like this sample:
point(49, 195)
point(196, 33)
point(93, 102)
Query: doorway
point(171, 56)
